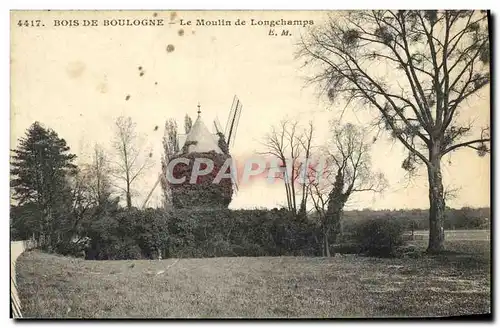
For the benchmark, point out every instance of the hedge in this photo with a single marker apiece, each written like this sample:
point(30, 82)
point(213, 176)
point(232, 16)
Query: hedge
point(208, 233)
point(184, 233)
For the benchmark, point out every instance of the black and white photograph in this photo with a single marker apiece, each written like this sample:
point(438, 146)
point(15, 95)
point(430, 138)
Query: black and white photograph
point(250, 164)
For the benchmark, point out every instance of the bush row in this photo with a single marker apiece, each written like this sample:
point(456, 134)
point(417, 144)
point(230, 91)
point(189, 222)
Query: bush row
point(117, 234)
point(463, 218)
point(200, 233)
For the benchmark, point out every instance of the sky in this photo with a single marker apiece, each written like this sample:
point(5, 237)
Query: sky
point(76, 80)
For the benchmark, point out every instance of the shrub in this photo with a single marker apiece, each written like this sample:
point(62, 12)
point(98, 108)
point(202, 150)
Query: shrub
point(75, 248)
point(347, 248)
point(379, 237)
point(127, 234)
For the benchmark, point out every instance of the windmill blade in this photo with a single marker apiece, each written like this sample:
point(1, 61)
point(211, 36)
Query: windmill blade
point(233, 123)
point(151, 192)
point(231, 115)
point(218, 127)
point(231, 120)
point(236, 123)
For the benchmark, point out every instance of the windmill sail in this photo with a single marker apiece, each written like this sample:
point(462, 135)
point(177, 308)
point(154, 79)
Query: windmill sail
point(232, 123)
point(218, 127)
point(235, 125)
point(231, 115)
point(152, 190)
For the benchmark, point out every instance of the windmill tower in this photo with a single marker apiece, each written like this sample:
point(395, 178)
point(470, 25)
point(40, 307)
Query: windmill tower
point(200, 140)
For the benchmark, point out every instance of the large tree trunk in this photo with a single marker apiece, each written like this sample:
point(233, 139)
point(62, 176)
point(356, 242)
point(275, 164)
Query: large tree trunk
point(288, 198)
point(292, 192)
point(330, 229)
point(326, 244)
point(336, 202)
point(129, 197)
point(437, 203)
point(334, 216)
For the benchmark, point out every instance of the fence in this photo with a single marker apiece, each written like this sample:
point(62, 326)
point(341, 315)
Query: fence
point(16, 249)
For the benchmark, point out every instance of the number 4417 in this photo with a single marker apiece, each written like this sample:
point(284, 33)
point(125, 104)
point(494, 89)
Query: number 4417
point(30, 23)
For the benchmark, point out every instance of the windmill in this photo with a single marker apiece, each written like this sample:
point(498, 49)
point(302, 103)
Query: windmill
point(229, 131)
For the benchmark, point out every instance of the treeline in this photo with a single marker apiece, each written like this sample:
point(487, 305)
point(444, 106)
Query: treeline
point(23, 218)
point(463, 218)
point(111, 232)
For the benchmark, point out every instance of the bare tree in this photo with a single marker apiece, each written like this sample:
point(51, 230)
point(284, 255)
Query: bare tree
point(347, 170)
point(100, 182)
point(320, 196)
point(285, 144)
point(83, 200)
point(131, 161)
point(170, 148)
point(305, 168)
point(417, 69)
point(91, 188)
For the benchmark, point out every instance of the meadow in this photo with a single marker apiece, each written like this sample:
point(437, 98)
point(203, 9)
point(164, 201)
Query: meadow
point(454, 283)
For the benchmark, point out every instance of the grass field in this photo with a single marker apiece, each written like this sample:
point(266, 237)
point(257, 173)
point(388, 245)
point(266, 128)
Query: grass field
point(453, 235)
point(455, 283)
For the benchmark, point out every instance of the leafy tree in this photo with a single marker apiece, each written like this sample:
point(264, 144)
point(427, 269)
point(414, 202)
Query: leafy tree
point(417, 69)
point(24, 220)
point(41, 166)
point(188, 123)
point(170, 148)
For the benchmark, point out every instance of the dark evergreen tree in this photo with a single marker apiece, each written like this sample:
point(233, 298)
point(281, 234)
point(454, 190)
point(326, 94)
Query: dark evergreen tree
point(41, 167)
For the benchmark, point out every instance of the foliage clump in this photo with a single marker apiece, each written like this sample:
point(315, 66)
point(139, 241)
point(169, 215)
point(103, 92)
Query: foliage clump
point(379, 237)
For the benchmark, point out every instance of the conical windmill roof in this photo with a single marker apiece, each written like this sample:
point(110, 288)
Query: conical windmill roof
point(205, 141)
